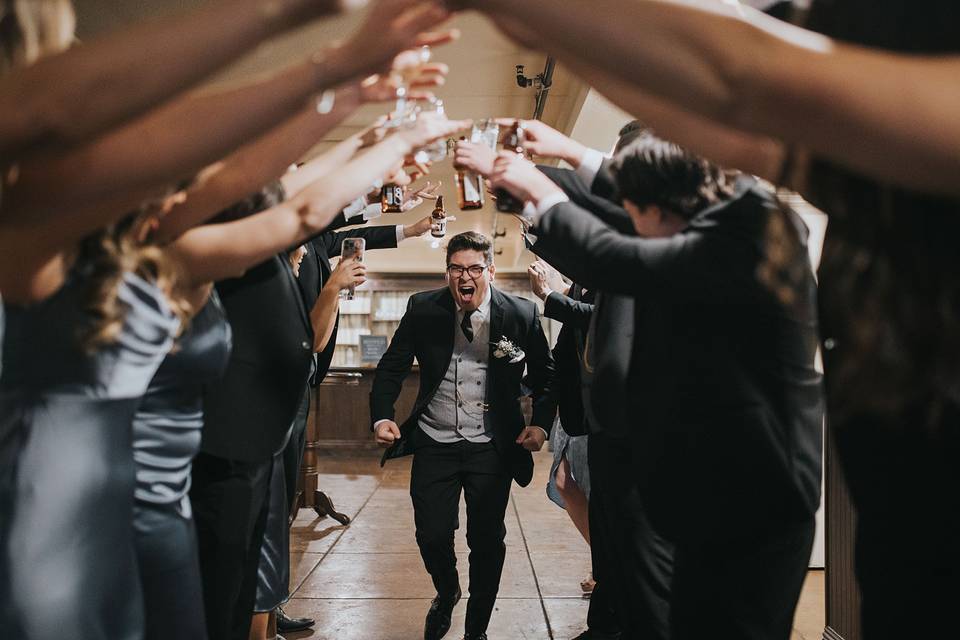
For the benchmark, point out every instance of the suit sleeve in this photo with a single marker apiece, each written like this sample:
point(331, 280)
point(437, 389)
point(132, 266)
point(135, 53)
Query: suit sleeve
point(567, 310)
point(697, 264)
point(379, 237)
point(392, 369)
point(540, 371)
point(609, 211)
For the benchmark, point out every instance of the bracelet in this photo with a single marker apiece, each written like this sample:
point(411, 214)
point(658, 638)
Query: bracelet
point(326, 101)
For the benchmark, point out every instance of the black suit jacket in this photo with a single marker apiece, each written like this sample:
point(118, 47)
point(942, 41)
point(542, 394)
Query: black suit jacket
point(574, 311)
point(247, 412)
point(427, 333)
point(315, 271)
point(725, 405)
point(612, 315)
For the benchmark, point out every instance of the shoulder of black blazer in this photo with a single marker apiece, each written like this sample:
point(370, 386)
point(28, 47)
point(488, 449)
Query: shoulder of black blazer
point(428, 310)
point(605, 208)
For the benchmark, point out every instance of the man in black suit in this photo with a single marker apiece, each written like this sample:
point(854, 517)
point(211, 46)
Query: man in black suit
point(247, 415)
point(632, 563)
point(312, 275)
point(722, 406)
point(467, 430)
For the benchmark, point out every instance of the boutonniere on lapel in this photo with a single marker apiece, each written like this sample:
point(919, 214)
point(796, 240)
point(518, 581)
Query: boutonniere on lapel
point(503, 348)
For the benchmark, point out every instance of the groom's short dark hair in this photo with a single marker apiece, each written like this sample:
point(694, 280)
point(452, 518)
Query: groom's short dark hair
point(470, 241)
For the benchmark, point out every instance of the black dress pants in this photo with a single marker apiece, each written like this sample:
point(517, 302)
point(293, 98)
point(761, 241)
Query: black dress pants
point(230, 511)
point(440, 472)
point(293, 452)
point(632, 564)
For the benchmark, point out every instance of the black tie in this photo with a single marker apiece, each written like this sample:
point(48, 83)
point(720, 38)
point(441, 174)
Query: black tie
point(466, 326)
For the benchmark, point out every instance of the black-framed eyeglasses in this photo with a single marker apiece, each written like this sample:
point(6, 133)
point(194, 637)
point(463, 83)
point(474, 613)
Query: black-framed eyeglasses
point(474, 271)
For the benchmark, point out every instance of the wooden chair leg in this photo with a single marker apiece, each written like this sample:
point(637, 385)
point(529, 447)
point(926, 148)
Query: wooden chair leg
point(324, 507)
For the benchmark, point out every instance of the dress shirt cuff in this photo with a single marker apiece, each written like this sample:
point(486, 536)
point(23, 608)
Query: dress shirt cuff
point(355, 208)
point(401, 236)
point(546, 436)
point(379, 422)
point(372, 211)
point(590, 166)
point(545, 204)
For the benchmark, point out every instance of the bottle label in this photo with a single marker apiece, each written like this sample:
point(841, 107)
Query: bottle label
point(471, 191)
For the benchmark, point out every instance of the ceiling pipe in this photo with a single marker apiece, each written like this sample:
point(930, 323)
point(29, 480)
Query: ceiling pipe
point(543, 88)
point(542, 81)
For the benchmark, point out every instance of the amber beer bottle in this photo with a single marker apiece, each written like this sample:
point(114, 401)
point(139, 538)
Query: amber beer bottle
point(391, 198)
point(439, 219)
point(513, 142)
point(469, 189)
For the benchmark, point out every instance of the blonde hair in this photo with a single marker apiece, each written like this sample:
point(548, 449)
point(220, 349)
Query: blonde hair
point(109, 254)
point(31, 29)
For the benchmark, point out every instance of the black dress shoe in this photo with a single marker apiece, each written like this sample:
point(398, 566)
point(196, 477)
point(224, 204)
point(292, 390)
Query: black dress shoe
point(438, 618)
point(286, 624)
point(475, 636)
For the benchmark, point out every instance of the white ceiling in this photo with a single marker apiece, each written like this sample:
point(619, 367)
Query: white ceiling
point(482, 83)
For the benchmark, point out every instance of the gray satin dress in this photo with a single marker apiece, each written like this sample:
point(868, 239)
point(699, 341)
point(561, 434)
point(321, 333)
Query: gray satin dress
point(166, 438)
point(67, 562)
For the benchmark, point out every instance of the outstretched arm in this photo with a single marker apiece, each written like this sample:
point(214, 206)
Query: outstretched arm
point(742, 69)
point(217, 251)
point(254, 164)
point(187, 134)
point(70, 97)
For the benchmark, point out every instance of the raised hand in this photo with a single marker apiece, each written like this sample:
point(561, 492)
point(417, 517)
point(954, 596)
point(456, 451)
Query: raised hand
point(393, 26)
point(413, 199)
point(545, 141)
point(475, 157)
point(538, 280)
point(383, 87)
point(430, 128)
point(521, 178)
point(418, 228)
point(349, 273)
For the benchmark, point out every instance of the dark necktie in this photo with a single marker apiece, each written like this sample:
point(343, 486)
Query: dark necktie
point(466, 326)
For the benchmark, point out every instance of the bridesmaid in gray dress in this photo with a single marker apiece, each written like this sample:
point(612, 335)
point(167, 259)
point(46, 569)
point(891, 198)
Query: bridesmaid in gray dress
point(166, 437)
point(67, 563)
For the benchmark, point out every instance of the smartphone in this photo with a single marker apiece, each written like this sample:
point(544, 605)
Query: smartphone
point(352, 248)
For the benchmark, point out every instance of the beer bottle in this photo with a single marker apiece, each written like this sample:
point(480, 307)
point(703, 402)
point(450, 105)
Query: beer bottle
point(514, 142)
point(469, 189)
point(391, 198)
point(439, 219)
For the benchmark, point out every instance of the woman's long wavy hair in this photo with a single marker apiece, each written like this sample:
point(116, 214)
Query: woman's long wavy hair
point(110, 253)
point(889, 285)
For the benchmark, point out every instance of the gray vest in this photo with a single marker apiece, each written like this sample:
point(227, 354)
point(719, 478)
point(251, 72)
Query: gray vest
point(458, 409)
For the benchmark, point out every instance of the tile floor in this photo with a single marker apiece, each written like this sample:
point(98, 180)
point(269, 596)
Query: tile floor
point(366, 581)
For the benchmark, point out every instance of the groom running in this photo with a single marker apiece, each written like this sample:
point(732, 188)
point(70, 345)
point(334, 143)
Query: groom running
point(467, 428)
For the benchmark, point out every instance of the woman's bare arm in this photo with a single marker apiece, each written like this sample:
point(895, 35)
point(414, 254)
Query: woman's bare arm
point(178, 139)
point(254, 165)
point(758, 155)
point(215, 252)
point(741, 68)
point(78, 94)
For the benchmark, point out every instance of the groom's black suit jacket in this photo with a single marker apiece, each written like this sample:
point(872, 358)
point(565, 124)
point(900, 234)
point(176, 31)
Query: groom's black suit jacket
point(427, 333)
point(724, 405)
